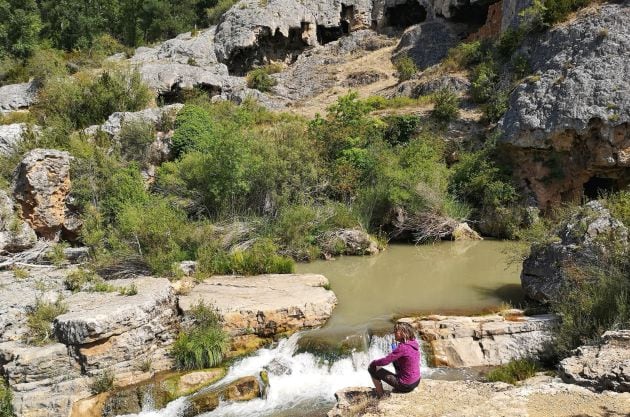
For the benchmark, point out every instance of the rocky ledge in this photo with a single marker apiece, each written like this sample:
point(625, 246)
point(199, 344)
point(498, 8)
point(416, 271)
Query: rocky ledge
point(540, 396)
point(265, 305)
point(605, 367)
point(459, 341)
point(129, 336)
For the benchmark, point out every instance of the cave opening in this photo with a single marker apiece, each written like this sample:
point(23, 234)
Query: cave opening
point(472, 14)
point(597, 187)
point(404, 15)
point(269, 48)
point(328, 34)
point(182, 95)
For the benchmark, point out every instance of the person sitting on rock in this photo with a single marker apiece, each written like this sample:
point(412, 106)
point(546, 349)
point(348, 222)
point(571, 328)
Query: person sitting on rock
point(406, 359)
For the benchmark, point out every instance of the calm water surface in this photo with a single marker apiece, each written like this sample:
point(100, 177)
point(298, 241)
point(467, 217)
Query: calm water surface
point(446, 277)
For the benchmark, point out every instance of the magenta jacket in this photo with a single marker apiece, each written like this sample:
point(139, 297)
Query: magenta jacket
point(406, 359)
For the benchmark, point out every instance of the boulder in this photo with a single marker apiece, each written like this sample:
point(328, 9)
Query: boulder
point(602, 367)
point(428, 43)
point(15, 234)
point(17, 96)
point(458, 341)
point(41, 187)
point(10, 137)
point(348, 242)
point(152, 116)
point(582, 241)
point(243, 389)
point(352, 401)
point(567, 125)
point(265, 304)
point(464, 232)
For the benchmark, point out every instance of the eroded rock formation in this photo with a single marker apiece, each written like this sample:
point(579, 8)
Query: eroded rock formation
point(567, 124)
point(485, 340)
point(603, 367)
point(41, 187)
point(582, 242)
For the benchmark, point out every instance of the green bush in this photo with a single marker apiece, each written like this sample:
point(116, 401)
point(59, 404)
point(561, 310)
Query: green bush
point(191, 124)
point(134, 139)
point(496, 106)
point(509, 41)
point(597, 300)
point(401, 128)
point(260, 79)
point(483, 81)
point(204, 345)
point(214, 13)
point(85, 99)
point(405, 67)
point(6, 397)
point(464, 55)
point(514, 371)
point(261, 258)
point(103, 382)
point(619, 206)
point(39, 321)
point(446, 105)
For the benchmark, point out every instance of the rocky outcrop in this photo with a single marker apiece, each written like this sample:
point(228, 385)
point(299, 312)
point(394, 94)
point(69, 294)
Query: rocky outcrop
point(41, 187)
point(101, 331)
point(10, 137)
point(15, 234)
point(348, 242)
point(567, 124)
point(582, 241)
point(537, 396)
point(243, 389)
point(17, 96)
point(428, 43)
point(154, 117)
point(484, 340)
point(265, 304)
point(603, 367)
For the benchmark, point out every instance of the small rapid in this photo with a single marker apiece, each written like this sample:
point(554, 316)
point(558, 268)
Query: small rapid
point(299, 383)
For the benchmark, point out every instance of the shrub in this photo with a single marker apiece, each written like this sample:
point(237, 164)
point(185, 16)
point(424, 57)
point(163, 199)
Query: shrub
point(85, 100)
point(191, 123)
point(134, 139)
point(483, 82)
point(203, 345)
point(619, 206)
point(6, 397)
point(102, 382)
point(260, 79)
point(597, 300)
point(513, 371)
point(261, 258)
point(76, 280)
point(446, 105)
point(405, 67)
point(214, 13)
point(463, 55)
point(39, 320)
point(496, 106)
point(509, 41)
point(401, 128)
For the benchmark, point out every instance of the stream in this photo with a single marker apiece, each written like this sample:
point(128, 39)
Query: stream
point(306, 369)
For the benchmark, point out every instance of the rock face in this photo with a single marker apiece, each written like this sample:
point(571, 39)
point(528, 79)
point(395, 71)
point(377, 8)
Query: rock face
point(484, 340)
point(101, 331)
point(604, 367)
point(537, 396)
point(41, 187)
point(15, 234)
point(547, 269)
point(17, 96)
point(265, 304)
point(568, 123)
point(10, 136)
point(428, 43)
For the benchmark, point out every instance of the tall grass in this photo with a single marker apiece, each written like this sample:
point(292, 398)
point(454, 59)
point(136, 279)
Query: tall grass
point(513, 371)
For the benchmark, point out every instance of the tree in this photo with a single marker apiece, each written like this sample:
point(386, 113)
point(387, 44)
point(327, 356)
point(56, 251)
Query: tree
point(19, 27)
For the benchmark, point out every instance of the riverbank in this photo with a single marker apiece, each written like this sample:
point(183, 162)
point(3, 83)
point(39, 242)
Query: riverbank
point(541, 396)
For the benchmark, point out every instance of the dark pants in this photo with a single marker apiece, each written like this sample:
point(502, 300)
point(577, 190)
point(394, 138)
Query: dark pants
point(390, 378)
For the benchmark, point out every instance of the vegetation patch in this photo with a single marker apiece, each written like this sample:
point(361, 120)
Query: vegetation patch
point(204, 344)
point(6, 407)
point(39, 320)
point(514, 371)
point(405, 67)
point(103, 382)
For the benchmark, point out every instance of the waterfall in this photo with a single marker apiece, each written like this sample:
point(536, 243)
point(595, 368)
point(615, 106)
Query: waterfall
point(299, 383)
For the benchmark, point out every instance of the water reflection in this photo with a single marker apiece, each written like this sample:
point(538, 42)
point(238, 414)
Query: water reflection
point(445, 277)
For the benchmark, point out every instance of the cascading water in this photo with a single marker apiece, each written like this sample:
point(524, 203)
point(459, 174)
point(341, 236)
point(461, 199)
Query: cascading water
point(299, 383)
